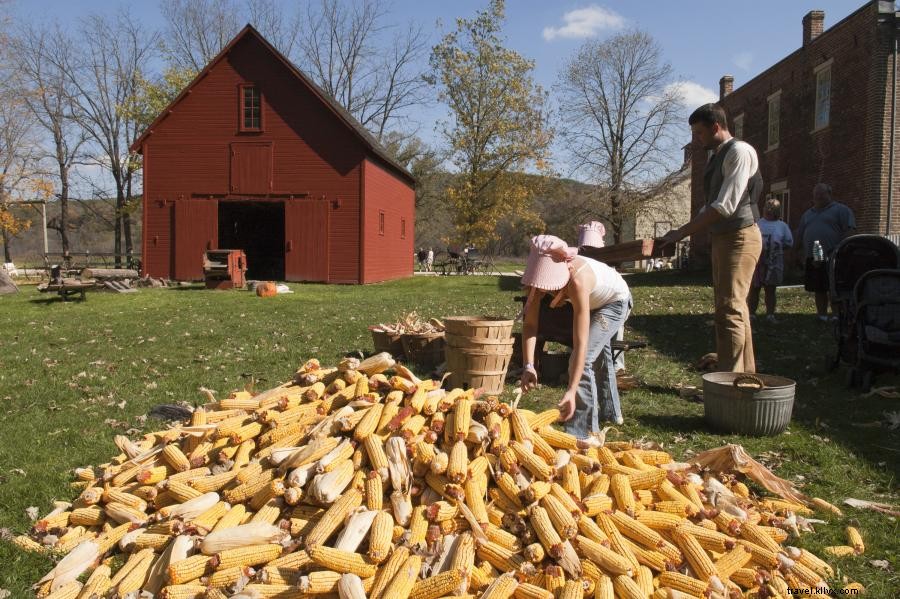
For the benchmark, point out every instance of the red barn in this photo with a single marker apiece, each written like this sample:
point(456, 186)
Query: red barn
point(253, 155)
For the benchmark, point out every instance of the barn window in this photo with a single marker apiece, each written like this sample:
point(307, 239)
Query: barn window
point(251, 108)
point(402, 228)
point(381, 222)
point(774, 120)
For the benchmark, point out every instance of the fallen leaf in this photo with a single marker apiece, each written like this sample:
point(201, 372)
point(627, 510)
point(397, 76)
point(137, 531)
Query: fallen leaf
point(18, 471)
point(881, 564)
point(32, 513)
point(4, 594)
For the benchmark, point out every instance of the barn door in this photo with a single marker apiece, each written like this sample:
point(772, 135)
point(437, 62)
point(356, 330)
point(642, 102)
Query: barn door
point(251, 167)
point(196, 230)
point(306, 240)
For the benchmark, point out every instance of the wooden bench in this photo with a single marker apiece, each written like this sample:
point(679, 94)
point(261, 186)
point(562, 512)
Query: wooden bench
point(67, 289)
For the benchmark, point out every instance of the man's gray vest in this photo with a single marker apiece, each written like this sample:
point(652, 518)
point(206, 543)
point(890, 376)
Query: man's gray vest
point(747, 211)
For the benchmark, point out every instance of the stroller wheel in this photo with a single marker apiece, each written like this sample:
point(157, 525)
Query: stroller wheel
point(852, 379)
point(866, 380)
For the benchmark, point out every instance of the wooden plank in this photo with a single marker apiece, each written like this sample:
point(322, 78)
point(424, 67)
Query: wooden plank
point(629, 251)
point(109, 273)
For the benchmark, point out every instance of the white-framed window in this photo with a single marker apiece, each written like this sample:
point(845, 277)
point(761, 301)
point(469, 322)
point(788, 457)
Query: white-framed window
point(780, 192)
point(823, 95)
point(774, 120)
point(739, 126)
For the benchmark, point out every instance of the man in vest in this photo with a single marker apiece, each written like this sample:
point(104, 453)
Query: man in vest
point(732, 186)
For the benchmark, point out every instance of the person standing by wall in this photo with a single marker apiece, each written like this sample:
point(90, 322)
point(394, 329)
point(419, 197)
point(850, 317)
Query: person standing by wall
point(827, 222)
point(769, 273)
point(732, 184)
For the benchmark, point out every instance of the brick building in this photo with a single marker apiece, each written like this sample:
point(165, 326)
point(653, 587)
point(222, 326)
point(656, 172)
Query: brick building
point(824, 113)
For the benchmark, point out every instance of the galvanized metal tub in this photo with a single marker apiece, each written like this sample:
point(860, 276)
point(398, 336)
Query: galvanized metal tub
point(757, 404)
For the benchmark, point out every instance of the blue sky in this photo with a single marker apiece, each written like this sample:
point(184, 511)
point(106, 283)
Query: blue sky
point(702, 39)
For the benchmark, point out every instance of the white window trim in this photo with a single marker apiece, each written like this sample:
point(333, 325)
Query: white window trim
point(816, 70)
point(778, 186)
point(776, 95)
point(825, 65)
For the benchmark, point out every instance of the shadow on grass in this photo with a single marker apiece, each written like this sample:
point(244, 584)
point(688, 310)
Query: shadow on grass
point(676, 423)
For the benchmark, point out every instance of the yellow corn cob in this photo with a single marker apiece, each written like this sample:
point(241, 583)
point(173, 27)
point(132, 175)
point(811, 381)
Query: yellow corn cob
point(620, 487)
point(110, 538)
point(249, 489)
point(70, 590)
point(572, 590)
point(374, 446)
point(121, 513)
point(369, 422)
point(246, 556)
point(404, 580)
point(436, 586)
point(646, 479)
point(658, 520)
point(554, 579)
point(503, 587)
point(545, 531)
point(636, 531)
point(233, 517)
point(533, 463)
point(188, 569)
point(206, 521)
point(269, 512)
point(531, 591)
point(97, 584)
point(213, 482)
point(557, 438)
point(855, 540)
point(333, 518)
point(821, 504)
point(344, 562)
point(116, 495)
point(136, 576)
point(155, 542)
point(616, 541)
point(458, 466)
point(561, 517)
point(387, 571)
point(534, 553)
point(505, 560)
point(570, 480)
point(182, 491)
point(418, 526)
point(188, 475)
point(463, 558)
point(626, 588)
point(694, 553)
point(87, 516)
point(816, 564)
point(683, 583)
point(319, 582)
point(174, 457)
point(502, 537)
point(229, 576)
point(380, 535)
point(732, 561)
point(481, 576)
point(606, 559)
point(510, 489)
point(26, 543)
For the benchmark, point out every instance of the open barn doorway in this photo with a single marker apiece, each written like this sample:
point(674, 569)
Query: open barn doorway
point(258, 229)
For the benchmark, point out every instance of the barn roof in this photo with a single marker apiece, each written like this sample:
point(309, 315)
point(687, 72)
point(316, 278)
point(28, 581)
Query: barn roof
point(348, 119)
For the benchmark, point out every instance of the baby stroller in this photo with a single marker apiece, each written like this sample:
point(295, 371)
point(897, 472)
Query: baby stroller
point(853, 258)
point(877, 301)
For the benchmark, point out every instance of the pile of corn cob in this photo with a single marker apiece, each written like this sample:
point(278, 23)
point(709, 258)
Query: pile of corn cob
point(364, 481)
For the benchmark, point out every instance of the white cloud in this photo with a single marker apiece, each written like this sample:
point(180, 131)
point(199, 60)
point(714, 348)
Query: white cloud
point(585, 22)
point(743, 60)
point(693, 94)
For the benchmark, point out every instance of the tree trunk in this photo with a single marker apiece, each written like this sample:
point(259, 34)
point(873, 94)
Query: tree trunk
point(7, 257)
point(64, 210)
point(117, 248)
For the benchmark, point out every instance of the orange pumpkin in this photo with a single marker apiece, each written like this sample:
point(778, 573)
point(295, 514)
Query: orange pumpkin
point(266, 289)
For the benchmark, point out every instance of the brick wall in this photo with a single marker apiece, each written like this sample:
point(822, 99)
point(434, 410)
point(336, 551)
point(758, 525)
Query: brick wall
point(851, 153)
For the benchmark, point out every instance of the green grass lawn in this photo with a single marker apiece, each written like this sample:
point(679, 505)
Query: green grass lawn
point(72, 375)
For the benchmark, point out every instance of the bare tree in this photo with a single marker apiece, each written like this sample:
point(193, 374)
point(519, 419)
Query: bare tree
point(105, 72)
point(343, 47)
point(18, 155)
point(280, 27)
point(39, 56)
point(196, 30)
point(619, 104)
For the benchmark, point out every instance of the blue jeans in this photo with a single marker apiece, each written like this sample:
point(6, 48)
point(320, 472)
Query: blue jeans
point(591, 409)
